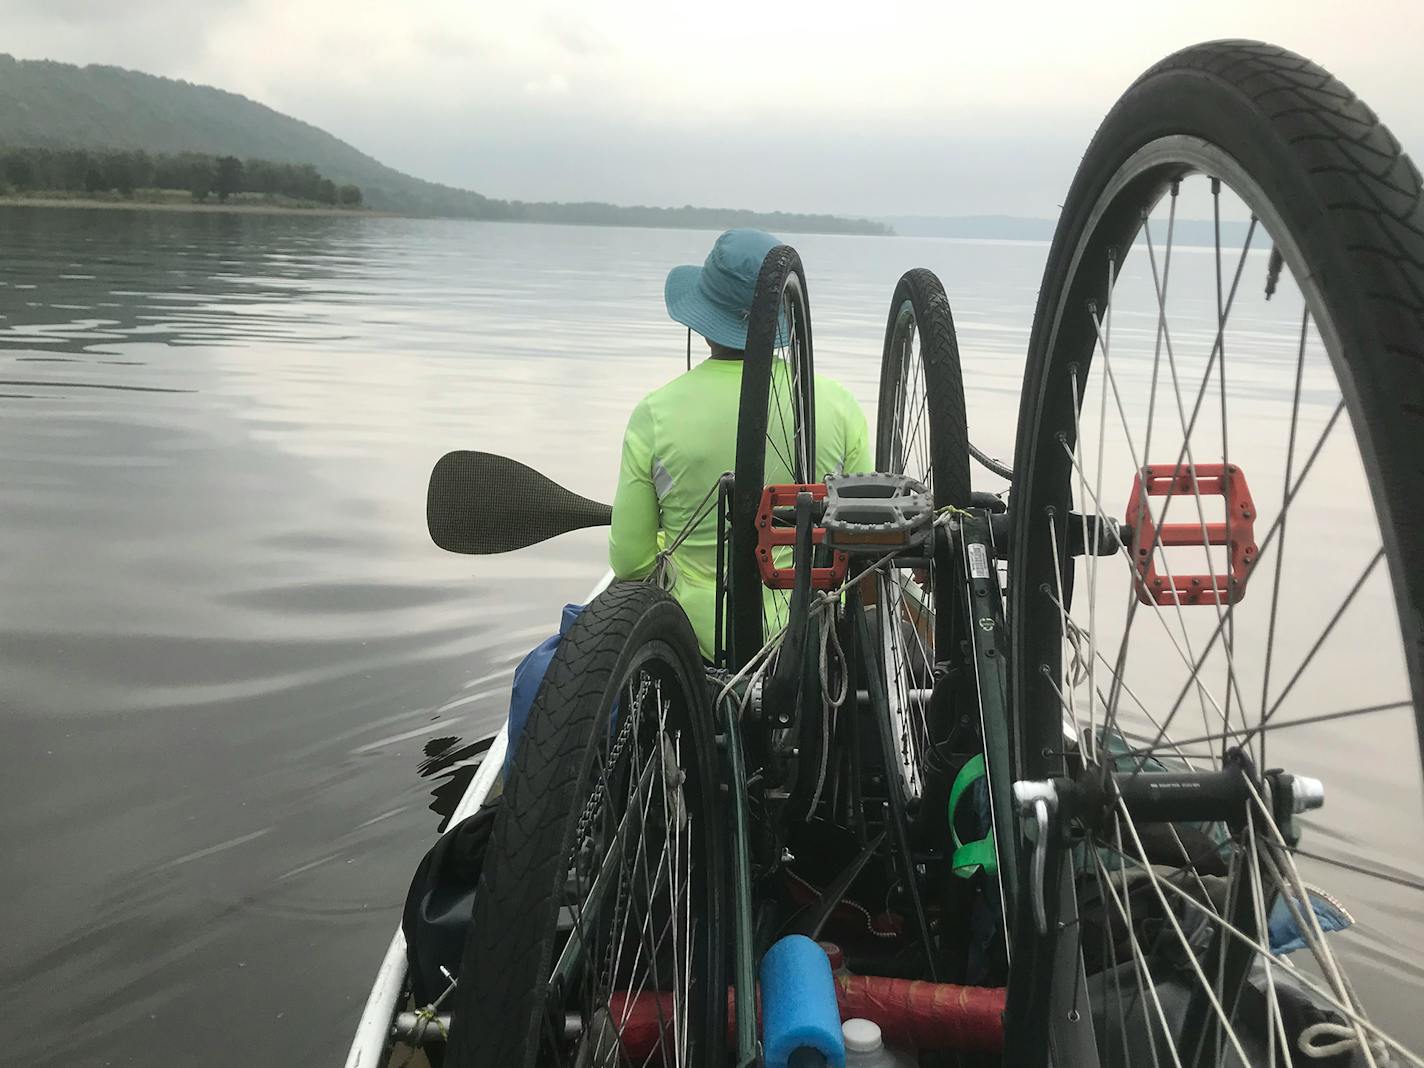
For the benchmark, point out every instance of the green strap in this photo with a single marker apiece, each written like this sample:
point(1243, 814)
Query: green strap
point(970, 857)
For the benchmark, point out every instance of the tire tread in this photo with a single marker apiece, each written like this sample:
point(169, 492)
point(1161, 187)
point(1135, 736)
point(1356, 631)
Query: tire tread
point(499, 1002)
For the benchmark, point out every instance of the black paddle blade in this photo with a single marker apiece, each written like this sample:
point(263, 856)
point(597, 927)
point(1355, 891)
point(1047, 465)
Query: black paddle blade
point(482, 503)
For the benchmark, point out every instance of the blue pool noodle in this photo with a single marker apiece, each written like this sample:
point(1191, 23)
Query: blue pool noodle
point(798, 1003)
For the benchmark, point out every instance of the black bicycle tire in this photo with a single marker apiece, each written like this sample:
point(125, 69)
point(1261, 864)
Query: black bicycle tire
point(919, 298)
point(1351, 200)
point(948, 421)
point(944, 385)
point(498, 1004)
point(780, 268)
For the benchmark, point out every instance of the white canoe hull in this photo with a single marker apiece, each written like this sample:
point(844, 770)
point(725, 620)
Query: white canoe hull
point(373, 1032)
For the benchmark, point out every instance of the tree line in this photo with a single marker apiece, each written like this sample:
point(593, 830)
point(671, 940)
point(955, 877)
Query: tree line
point(597, 213)
point(101, 171)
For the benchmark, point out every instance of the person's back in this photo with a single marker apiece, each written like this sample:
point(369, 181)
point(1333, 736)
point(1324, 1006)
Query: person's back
point(682, 437)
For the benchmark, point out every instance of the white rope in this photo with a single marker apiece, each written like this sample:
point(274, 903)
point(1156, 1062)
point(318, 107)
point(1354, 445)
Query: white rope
point(1344, 1039)
point(830, 705)
point(827, 726)
point(664, 574)
point(827, 601)
point(1075, 635)
point(754, 665)
point(830, 638)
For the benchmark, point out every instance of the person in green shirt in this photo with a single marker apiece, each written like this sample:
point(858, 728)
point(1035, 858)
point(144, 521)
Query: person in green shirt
point(683, 436)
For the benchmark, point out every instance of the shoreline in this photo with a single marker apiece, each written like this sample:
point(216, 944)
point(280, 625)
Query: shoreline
point(90, 203)
point(96, 204)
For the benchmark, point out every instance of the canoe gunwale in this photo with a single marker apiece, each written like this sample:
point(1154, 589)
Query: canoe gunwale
point(372, 1040)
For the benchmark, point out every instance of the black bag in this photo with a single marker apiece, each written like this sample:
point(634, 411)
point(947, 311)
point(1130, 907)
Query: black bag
point(441, 902)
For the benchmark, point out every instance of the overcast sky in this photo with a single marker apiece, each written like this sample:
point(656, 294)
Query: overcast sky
point(876, 108)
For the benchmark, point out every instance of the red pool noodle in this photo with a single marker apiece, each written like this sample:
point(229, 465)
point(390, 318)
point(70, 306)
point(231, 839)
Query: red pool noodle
point(910, 1012)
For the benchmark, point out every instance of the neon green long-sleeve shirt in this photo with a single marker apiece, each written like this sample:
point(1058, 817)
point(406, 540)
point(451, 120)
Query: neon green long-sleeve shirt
point(680, 439)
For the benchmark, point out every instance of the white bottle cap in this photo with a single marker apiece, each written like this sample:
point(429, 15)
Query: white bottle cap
point(862, 1036)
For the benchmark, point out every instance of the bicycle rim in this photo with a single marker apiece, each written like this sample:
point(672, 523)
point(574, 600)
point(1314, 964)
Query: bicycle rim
point(1288, 644)
point(632, 908)
point(920, 433)
point(775, 438)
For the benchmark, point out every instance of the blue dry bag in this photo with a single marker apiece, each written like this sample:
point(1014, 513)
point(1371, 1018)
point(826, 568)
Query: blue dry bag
point(529, 675)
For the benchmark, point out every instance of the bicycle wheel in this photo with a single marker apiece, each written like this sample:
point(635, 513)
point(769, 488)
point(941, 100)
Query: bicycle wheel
point(596, 937)
point(921, 431)
point(776, 438)
point(1232, 313)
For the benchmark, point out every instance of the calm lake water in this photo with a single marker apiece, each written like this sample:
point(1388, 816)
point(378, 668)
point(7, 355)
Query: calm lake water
point(225, 638)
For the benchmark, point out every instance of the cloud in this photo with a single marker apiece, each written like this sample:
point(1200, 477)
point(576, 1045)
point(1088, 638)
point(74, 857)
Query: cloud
point(549, 85)
point(145, 34)
point(577, 34)
point(897, 107)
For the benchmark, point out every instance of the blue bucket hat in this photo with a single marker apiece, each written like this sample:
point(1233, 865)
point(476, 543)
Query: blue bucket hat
point(715, 299)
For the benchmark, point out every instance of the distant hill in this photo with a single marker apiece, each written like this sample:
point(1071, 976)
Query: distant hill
point(59, 105)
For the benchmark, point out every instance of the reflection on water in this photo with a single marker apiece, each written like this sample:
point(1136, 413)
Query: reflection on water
point(228, 652)
point(453, 766)
point(225, 639)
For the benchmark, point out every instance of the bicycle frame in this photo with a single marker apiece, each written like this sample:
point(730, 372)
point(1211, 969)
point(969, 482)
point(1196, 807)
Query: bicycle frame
point(972, 538)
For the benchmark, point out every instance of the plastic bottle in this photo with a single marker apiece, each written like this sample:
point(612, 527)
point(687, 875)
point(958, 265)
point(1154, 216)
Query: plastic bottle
point(865, 1048)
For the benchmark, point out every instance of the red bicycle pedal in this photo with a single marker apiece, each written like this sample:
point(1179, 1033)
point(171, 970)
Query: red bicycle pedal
point(1237, 533)
point(770, 537)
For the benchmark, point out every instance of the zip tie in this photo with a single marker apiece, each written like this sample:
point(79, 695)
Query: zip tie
point(428, 1015)
point(952, 510)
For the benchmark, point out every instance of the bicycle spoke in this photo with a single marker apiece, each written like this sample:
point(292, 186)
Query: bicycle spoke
point(1281, 552)
point(1176, 927)
point(1275, 1023)
point(1277, 725)
point(1119, 671)
point(1186, 868)
point(1092, 572)
point(1161, 315)
point(785, 447)
point(1265, 545)
point(1302, 912)
point(1315, 648)
point(1164, 342)
point(1315, 985)
point(632, 918)
point(1111, 379)
point(1146, 989)
point(1063, 612)
point(1229, 641)
point(1373, 873)
point(904, 619)
point(1196, 490)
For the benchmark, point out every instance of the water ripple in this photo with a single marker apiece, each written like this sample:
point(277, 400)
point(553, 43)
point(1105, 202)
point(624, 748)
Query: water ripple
point(226, 643)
